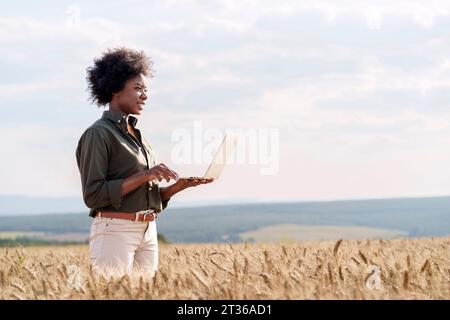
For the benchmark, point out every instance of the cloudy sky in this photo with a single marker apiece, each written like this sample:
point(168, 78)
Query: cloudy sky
point(358, 91)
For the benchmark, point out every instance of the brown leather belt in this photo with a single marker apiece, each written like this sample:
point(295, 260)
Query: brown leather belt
point(138, 216)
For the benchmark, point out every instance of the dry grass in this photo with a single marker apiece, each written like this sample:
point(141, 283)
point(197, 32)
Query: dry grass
point(407, 269)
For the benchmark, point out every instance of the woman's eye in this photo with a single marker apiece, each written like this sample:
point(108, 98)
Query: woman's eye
point(140, 89)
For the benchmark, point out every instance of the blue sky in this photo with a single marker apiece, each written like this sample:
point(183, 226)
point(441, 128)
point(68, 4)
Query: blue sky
point(359, 91)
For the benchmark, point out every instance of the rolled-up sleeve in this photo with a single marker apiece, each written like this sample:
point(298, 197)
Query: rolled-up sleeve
point(156, 194)
point(92, 160)
point(156, 189)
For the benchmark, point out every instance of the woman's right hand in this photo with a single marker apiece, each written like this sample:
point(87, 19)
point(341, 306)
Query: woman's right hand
point(160, 172)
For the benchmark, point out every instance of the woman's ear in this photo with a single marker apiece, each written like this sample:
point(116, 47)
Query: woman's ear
point(115, 96)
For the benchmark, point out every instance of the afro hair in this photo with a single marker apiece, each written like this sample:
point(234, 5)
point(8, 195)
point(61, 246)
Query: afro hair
point(110, 72)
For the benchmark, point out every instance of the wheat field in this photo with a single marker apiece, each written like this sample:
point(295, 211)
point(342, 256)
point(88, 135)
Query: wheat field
point(345, 269)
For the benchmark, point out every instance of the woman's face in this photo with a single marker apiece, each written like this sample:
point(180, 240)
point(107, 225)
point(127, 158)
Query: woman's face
point(131, 99)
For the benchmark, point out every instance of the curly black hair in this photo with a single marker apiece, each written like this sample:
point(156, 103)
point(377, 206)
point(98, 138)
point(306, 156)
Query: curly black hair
point(110, 72)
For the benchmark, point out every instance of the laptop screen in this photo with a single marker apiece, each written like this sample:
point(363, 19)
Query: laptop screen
point(221, 157)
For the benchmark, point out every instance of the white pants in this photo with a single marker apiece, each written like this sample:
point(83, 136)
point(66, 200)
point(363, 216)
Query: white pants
point(119, 246)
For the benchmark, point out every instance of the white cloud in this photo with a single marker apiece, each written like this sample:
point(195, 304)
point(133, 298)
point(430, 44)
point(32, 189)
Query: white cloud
point(20, 89)
point(341, 100)
point(41, 158)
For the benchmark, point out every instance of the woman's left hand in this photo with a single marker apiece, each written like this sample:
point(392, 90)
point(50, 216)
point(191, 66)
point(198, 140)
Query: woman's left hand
point(192, 182)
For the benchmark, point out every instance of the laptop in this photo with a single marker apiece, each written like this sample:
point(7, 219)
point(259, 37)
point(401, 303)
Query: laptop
point(217, 164)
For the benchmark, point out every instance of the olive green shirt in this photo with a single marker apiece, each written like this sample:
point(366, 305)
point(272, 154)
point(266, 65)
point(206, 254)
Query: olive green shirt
point(107, 154)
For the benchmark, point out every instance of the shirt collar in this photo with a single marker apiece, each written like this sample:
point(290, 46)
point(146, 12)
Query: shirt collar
point(120, 118)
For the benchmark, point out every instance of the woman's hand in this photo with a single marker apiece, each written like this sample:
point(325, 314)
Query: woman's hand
point(192, 182)
point(160, 172)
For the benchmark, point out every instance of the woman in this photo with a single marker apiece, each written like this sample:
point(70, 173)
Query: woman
point(118, 170)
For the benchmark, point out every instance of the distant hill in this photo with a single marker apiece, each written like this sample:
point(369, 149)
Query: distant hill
point(414, 217)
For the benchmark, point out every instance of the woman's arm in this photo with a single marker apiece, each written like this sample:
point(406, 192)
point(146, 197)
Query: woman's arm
point(169, 191)
point(133, 182)
point(180, 185)
point(159, 172)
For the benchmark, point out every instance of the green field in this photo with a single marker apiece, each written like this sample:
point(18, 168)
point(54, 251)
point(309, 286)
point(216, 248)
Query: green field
point(416, 217)
point(292, 232)
point(20, 234)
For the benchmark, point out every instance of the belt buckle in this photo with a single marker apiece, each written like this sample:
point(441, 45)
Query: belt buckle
point(137, 214)
point(145, 214)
